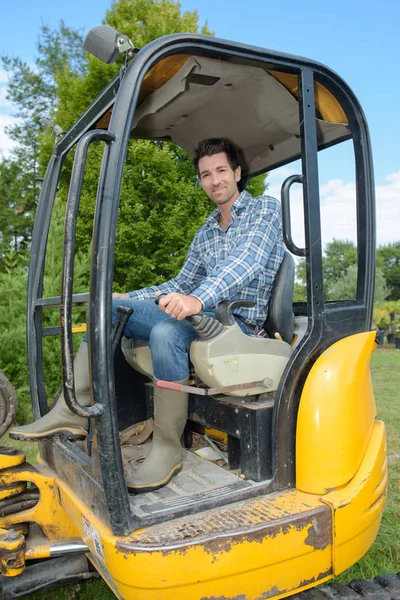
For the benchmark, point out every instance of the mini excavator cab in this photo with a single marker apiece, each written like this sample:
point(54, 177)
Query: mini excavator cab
point(301, 496)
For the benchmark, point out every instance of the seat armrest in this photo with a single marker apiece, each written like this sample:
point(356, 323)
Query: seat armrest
point(224, 310)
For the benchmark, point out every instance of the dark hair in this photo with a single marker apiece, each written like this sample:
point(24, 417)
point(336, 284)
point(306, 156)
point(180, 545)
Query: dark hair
point(212, 146)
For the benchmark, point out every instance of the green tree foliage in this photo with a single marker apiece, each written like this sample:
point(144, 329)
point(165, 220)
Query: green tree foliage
point(345, 287)
point(339, 256)
point(388, 259)
point(161, 203)
point(16, 211)
point(339, 266)
point(13, 284)
point(32, 89)
point(300, 292)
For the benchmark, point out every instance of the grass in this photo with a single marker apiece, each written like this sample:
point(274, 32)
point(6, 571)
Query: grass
point(384, 556)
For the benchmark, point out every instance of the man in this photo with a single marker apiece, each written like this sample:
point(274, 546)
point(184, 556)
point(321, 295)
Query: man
point(236, 254)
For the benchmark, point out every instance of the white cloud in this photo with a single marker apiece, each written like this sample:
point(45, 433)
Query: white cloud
point(3, 76)
point(338, 212)
point(388, 209)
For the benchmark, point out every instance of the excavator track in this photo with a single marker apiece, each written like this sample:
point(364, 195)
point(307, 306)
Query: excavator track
point(381, 587)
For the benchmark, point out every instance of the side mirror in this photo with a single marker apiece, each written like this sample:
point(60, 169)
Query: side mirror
point(106, 43)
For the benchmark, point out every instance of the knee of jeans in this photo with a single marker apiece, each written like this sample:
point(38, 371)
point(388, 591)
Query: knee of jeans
point(168, 335)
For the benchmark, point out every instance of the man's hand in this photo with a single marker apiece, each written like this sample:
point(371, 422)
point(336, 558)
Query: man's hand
point(180, 305)
point(118, 295)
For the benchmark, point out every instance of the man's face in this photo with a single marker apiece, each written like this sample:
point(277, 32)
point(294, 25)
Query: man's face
point(218, 180)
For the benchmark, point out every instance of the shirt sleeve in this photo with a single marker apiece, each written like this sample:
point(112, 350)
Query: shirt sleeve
point(188, 278)
point(247, 260)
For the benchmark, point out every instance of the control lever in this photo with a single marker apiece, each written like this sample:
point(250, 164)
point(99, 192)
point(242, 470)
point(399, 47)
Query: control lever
point(205, 326)
point(123, 314)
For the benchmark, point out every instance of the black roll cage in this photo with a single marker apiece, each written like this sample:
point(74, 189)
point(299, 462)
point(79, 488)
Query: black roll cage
point(326, 322)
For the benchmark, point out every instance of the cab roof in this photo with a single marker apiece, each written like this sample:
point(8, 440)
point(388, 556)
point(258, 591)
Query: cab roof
point(188, 98)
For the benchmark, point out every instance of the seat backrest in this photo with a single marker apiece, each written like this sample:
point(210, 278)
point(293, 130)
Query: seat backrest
point(280, 317)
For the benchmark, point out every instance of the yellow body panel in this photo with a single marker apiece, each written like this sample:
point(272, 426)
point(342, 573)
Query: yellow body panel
point(79, 328)
point(244, 564)
point(262, 562)
point(292, 539)
point(47, 513)
point(357, 509)
point(269, 546)
point(336, 415)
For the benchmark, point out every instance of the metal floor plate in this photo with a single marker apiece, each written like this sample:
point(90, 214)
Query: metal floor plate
point(199, 486)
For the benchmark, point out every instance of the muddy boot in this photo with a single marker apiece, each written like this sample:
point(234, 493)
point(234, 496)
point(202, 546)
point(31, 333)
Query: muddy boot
point(165, 457)
point(60, 420)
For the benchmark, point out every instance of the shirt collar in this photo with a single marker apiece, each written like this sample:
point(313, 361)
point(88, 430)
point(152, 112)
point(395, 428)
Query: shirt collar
point(237, 207)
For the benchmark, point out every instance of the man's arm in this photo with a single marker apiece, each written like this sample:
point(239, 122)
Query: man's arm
point(247, 260)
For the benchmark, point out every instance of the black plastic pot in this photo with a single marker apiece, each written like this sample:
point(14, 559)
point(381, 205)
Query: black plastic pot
point(390, 338)
point(397, 343)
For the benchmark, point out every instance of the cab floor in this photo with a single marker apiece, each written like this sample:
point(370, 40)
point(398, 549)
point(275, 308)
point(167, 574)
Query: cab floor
point(200, 485)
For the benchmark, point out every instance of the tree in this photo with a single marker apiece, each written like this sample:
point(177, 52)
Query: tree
point(345, 287)
point(161, 203)
point(339, 265)
point(16, 216)
point(339, 256)
point(13, 284)
point(33, 91)
point(388, 259)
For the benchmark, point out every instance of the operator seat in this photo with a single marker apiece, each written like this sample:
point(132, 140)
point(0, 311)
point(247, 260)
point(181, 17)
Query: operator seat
point(231, 357)
point(280, 320)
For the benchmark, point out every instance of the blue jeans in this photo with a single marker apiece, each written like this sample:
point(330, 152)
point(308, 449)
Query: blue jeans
point(169, 339)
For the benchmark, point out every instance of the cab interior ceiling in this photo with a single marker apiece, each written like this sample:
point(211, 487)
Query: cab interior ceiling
point(187, 99)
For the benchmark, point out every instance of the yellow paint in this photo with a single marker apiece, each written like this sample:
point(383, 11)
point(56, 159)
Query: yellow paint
point(337, 409)
point(79, 328)
point(221, 435)
point(47, 513)
point(6, 462)
point(12, 491)
point(336, 415)
point(281, 560)
point(277, 561)
point(38, 551)
point(358, 508)
point(11, 460)
point(325, 102)
point(12, 556)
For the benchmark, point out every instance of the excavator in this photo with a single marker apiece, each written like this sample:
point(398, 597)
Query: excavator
point(296, 493)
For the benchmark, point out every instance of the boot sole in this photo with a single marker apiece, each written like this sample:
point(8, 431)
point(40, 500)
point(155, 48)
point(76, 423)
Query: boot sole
point(157, 485)
point(63, 433)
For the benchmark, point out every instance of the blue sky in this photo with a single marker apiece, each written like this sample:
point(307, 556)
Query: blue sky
point(358, 39)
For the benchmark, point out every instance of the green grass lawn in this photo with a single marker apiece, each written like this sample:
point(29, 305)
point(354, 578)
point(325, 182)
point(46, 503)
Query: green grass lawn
point(384, 556)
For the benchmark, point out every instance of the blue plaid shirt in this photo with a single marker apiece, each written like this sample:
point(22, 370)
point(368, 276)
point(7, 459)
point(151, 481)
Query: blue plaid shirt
point(238, 263)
